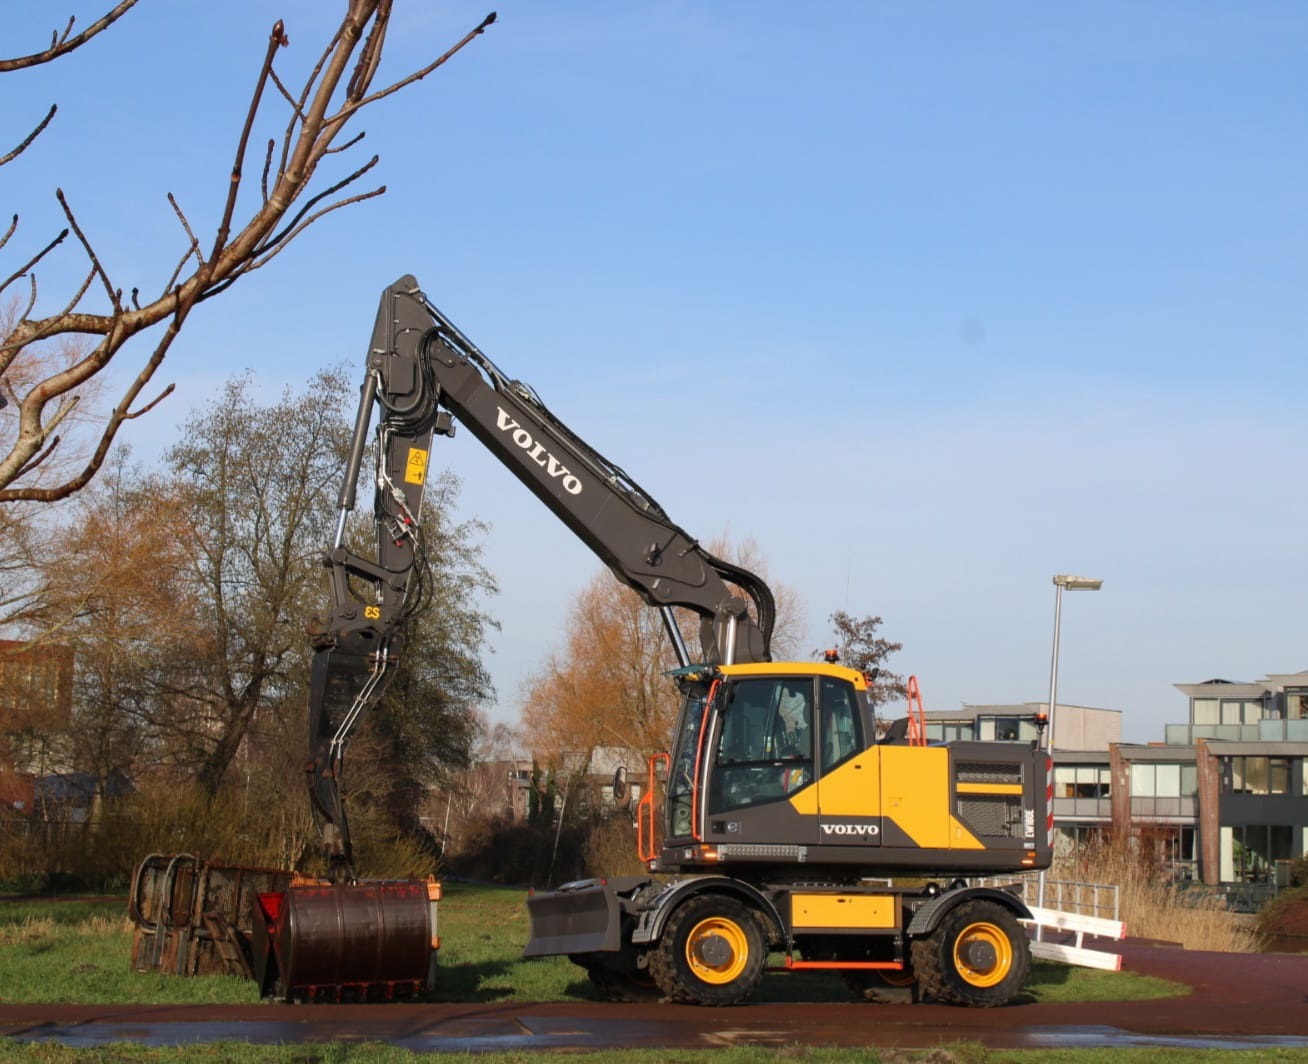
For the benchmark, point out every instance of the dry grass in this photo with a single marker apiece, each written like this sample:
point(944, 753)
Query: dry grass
point(39, 928)
point(1152, 906)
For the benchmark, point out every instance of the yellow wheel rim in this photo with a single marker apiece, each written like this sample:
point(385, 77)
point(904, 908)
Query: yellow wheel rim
point(983, 954)
point(717, 950)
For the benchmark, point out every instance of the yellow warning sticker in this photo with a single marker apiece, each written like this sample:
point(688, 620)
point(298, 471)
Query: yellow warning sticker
point(415, 469)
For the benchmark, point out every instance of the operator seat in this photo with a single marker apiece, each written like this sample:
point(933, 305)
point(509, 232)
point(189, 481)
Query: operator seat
point(896, 733)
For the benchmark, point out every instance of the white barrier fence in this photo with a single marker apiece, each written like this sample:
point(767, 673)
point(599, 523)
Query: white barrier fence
point(1078, 910)
point(1080, 926)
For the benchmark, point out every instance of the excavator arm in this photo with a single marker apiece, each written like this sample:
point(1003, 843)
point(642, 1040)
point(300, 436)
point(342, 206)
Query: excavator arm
point(423, 373)
point(358, 642)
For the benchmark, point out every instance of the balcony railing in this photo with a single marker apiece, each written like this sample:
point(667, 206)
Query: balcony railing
point(1182, 808)
point(1265, 731)
point(1083, 809)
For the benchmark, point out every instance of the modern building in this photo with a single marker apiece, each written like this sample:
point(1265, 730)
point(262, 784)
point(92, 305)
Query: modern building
point(1228, 786)
point(1222, 799)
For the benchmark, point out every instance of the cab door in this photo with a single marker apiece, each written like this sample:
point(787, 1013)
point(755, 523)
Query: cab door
point(762, 752)
point(847, 806)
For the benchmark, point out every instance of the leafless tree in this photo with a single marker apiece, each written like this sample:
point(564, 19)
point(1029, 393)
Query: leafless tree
point(254, 227)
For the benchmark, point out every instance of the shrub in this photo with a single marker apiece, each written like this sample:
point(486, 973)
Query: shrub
point(1153, 904)
point(1283, 923)
point(610, 847)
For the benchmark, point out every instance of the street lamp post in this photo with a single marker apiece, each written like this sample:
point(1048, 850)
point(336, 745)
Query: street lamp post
point(1062, 582)
point(1070, 583)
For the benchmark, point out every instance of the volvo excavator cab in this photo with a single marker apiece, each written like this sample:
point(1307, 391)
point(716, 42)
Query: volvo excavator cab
point(776, 762)
point(758, 737)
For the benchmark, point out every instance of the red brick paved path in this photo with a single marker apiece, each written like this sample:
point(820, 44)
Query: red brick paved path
point(1239, 1001)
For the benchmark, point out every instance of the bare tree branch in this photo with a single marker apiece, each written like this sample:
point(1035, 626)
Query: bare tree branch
point(23, 270)
point(194, 249)
point(418, 75)
point(114, 301)
point(40, 458)
point(31, 136)
point(335, 90)
point(62, 44)
point(277, 39)
point(271, 251)
point(294, 226)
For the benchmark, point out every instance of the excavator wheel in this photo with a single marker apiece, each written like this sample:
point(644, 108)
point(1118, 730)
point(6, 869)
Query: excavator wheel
point(712, 952)
point(884, 987)
point(978, 955)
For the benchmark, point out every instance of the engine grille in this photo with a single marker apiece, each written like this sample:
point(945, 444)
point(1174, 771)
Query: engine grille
point(987, 772)
point(992, 814)
point(744, 850)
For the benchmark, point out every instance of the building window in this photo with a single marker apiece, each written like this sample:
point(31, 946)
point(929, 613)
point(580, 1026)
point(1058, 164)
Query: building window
point(1228, 710)
point(1006, 729)
point(1256, 847)
point(948, 733)
point(1163, 780)
point(1241, 711)
point(1296, 703)
point(1169, 848)
point(1074, 837)
point(1259, 775)
point(1184, 858)
point(1081, 781)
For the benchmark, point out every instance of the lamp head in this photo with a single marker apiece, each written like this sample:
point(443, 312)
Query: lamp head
point(1077, 583)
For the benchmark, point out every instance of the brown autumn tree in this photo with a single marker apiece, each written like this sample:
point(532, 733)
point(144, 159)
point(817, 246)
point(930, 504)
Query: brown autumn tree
point(607, 686)
point(184, 593)
point(113, 585)
point(20, 550)
point(101, 320)
point(788, 628)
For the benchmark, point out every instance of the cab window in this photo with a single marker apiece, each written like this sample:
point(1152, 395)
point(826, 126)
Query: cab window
point(841, 732)
point(765, 749)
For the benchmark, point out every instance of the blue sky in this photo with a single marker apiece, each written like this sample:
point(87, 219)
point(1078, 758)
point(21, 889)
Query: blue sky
point(931, 300)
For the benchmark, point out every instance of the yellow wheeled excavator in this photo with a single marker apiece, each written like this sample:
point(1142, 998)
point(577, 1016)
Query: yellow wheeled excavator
point(777, 822)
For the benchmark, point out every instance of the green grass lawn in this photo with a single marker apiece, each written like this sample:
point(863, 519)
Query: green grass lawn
point(80, 950)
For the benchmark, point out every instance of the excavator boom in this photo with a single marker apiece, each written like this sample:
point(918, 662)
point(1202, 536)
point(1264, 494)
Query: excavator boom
point(422, 376)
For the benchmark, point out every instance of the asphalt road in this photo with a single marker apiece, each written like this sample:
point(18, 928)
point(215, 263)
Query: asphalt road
point(1239, 1001)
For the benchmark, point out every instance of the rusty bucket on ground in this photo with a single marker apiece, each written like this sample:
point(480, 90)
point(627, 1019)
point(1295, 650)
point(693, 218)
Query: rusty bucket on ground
point(368, 941)
point(196, 917)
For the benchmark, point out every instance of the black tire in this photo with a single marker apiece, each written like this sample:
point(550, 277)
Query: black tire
point(977, 956)
point(883, 987)
point(712, 952)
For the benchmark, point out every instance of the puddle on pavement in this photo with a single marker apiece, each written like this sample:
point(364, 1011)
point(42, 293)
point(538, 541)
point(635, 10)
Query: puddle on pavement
point(556, 1033)
point(1099, 1037)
